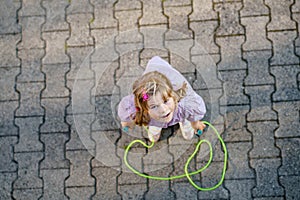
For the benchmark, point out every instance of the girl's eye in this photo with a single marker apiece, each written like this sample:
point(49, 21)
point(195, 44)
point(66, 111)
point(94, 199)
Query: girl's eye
point(166, 101)
point(153, 107)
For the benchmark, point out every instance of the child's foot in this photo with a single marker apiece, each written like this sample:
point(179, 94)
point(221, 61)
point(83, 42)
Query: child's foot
point(154, 133)
point(187, 130)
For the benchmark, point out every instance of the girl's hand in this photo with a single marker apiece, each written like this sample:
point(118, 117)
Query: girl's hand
point(128, 124)
point(198, 125)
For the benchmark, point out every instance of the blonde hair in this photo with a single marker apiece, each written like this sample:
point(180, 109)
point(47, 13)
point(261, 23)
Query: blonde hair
point(151, 83)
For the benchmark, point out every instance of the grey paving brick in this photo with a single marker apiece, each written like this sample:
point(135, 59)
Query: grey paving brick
point(7, 83)
point(31, 65)
point(55, 15)
point(261, 106)
point(54, 151)
point(152, 13)
point(132, 191)
point(202, 10)
point(28, 170)
point(296, 17)
point(266, 178)
point(231, 53)
point(178, 23)
point(184, 191)
point(8, 53)
point(6, 147)
point(31, 36)
point(179, 61)
point(204, 37)
point(258, 71)
point(256, 37)
point(290, 156)
point(106, 179)
point(263, 139)
point(128, 71)
point(149, 53)
point(82, 6)
point(233, 88)
point(54, 183)
point(27, 193)
point(254, 8)
point(229, 19)
point(280, 15)
point(103, 14)
point(30, 99)
point(288, 183)
point(28, 134)
point(128, 5)
point(288, 115)
point(75, 142)
point(6, 189)
point(80, 34)
point(296, 7)
point(8, 12)
point(79, 193)
point(240, 189)
point(80, 169)
point(238, 164)
point(177, 3)
point(283, 49)
point(235, 123)
point(31, 8)
point(55, 47)
point(7, 126)
point(286, 82)
point(54, 115)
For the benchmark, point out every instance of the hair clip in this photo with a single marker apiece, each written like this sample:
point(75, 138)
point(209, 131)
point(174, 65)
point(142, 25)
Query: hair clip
point(137, 109)
point(145, 96)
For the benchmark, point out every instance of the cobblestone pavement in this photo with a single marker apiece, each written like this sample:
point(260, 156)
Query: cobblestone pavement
point(64, 65)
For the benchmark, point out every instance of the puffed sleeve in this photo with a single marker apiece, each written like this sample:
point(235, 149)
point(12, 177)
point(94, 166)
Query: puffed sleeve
point(193, 107)
point(126, 108)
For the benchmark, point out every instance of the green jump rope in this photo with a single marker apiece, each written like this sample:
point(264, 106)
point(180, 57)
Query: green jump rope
point(186, 174)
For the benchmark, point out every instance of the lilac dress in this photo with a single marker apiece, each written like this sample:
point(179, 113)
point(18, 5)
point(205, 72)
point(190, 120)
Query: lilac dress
point(191, 107)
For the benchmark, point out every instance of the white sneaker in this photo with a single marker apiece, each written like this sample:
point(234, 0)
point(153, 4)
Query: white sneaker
point(187, 130)
point(154, 133)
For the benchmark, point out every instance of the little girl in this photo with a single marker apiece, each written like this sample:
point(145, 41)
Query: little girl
point(162, 97)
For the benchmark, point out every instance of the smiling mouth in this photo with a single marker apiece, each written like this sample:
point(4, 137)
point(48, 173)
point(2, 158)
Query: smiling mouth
point(167, 115)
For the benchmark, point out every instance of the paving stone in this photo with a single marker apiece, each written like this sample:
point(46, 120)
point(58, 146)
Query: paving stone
point(28, 170)
point(54, 115)
point(235, 123)
point(283, 49)
point(254, 8)
point(152, 13)
point(289, 183)
point(7, 158)
point(8, 18)
point(269, 198)
point(288, 115)
point(178, 23)
point(240, 189)
point(204, 37)
point(184, 191)
point(31, 8)
point(176, 3)
point(6, 187)
point(238, 163)
point(266, 178)
point(296, 17)
point(233, 88)
point(128, 71)
point(132, 191)
point(263, 139)
point(55, 15)
point(261, 105)
point(231, 55)
point(286, 82)
point(106, 187)
point(256, 37)
point(28, 134)
point(7, 126)
point(54, 183)
point(105, 46)
point(258, 71)
point(153, 39)
point(202, 10)
point(31, 65)
point(30, 99)
point(80, 34)
point(27, 193)
point(8, 53)
point(55, 47)
point(54, 151)
point(290, 156)
point(31, 36)
point(103, 14)
point(280, 15)
point(158, 156)
point(149, 53)
point(229, 19)
point(79, 6)
point(79, 193)
point(7, 83)
point(128, 5)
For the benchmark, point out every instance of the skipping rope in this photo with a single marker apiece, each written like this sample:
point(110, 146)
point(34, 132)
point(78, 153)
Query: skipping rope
point(186, 174)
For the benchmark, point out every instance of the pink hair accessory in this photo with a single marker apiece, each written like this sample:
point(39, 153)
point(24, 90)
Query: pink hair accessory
point(145, 96)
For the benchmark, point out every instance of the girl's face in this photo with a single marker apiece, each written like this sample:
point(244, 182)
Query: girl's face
point(160, 109)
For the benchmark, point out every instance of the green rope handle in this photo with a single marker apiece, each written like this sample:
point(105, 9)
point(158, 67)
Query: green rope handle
point(186, 174)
